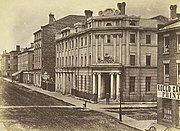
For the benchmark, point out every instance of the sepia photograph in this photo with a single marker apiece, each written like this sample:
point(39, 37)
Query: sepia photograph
point(89, 65)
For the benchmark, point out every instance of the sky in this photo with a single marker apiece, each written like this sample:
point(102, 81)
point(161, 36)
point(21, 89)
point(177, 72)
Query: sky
point(19, 19)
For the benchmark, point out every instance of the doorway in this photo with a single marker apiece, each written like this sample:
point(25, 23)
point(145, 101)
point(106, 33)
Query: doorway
point(107, 84)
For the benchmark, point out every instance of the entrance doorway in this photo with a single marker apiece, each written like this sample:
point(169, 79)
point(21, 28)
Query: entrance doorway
point(107, 85)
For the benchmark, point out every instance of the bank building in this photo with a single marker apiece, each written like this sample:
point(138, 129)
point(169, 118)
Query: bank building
point(106, 54)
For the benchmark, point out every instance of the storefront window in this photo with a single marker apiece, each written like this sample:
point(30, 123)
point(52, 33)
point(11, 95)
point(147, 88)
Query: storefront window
point(167, 110)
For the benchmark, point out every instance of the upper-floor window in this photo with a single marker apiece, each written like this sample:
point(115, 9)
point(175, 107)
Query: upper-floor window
point(132, 38)
point(166, 73)
point(72, 42)
point(132, 59)
point(178, 73)
point(108, 38)
point(148, 39)
point(166, 44)
point(81, 60)
point(89, 39)
point(108, 24)
point(132, 23)
point(85, 40)
point(85, 60)
point(178, 42)
point(148, 60)
point(82, 41)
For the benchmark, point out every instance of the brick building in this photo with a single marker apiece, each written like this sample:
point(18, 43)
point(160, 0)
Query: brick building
point(44, 50)
point(106, 53)
point(14, 60)
point(5, 64)
point(26, 64)
point(168, 89)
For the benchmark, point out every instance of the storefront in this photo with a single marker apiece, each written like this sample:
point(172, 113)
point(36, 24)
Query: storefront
point(168, 105)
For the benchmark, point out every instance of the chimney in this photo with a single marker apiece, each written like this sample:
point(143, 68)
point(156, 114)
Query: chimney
point(32, 44)
point(51, 18)
point(173, 11)
point(88, 13)
point(18, 48)
point(121, 7)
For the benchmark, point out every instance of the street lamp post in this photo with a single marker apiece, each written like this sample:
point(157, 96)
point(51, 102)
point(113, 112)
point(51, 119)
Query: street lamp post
point(120, 108)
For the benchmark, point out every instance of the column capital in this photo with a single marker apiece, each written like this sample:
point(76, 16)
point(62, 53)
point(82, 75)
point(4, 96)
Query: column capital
point(118, 73)
point(99, 73)
point(96, 36)
point(111, 73)
point(102, 35)
point(120, 35)
point(114, 35)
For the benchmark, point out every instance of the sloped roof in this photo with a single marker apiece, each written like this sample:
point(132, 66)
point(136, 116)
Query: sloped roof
point(161, 18)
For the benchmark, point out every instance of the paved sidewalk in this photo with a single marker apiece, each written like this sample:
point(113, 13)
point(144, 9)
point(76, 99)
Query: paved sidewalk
point(141, 125)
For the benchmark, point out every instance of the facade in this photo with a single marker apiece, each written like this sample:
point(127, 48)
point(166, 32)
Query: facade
point(44, 51)
point(5, 64)
point(168, 88)
point(14, 60)
point(108, 53)
point(26, 64)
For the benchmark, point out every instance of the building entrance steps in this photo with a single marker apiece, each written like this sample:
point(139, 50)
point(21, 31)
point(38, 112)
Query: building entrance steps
point(101, 107)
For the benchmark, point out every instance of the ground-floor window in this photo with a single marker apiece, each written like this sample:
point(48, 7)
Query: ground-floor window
point(132, 84)
point(167, 109)
point(148, 84)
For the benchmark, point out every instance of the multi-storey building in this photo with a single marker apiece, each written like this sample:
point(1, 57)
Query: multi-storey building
point(106, 53)
point(168, 89)
point(26, 64)
point(44, 51)
point(5, 64)
point(14, 60)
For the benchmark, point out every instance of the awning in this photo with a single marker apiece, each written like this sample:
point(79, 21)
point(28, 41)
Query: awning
point(16, 73)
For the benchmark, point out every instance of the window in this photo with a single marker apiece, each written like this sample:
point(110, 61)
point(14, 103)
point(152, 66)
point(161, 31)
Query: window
point(178, 73)
point(132, 59)
point(89, 39)
point(148, 39)
point(85, 61)
point(108, 39)
point(72, 60)
point(132, 38)
point(108, 24)
point(81, 83)
point(85, 40)
point(148, 60)
point(81, 41)
point(72, 44)
point(69, 61)
point(167, 109)
point(132, 23)
point(166, 44)
point(148, 83)
point(85, 88)
point(76, 61)
point(89, 59)
point(178, 42)
point(132, 84)
point(81, 60)
point(166, 73)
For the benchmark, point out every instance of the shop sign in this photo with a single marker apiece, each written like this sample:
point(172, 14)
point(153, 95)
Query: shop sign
point(168, 91)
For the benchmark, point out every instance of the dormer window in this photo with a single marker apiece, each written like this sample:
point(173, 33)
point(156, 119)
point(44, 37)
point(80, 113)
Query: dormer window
point(76, 29)
point(108, 24)
point(132, 23)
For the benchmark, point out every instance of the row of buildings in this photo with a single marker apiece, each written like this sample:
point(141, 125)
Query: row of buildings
point(101, 57)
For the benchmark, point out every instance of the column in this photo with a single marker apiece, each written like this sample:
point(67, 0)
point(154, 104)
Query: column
point(120, 47)
point(112, 85)
point(56, 81)
point(138, 49)
point(94, 83)
point(127, 48)
point(97, 39)
point(99, 85)
point(117, 85)
point(114, 43)
point(102, 47)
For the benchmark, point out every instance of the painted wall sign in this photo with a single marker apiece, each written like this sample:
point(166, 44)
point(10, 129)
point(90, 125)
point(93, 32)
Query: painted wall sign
point(168, 91)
